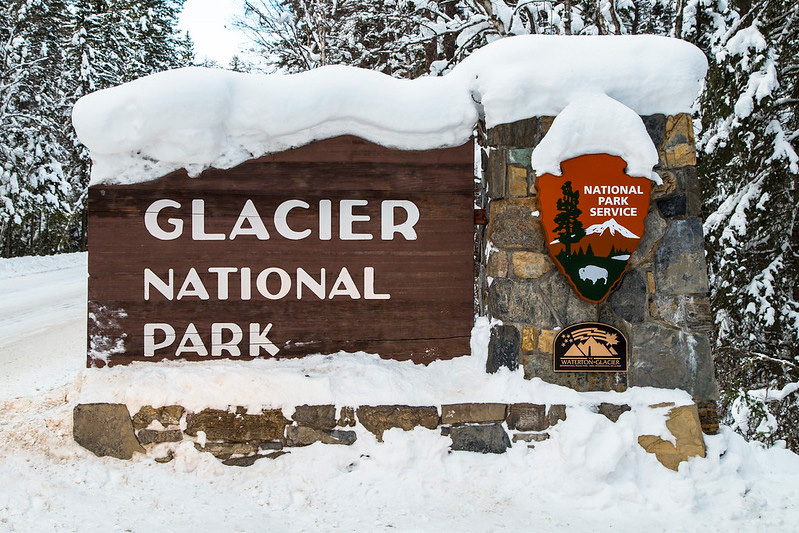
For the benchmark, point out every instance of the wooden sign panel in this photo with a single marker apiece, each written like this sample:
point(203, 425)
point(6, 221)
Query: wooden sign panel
point(593, 217)
point(338, 245)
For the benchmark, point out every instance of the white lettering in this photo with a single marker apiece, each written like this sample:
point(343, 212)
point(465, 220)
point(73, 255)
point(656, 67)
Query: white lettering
point(282, 227)
point(151, 221)
point(250, 215)
point(222, 280)
point(263, 277)
point(231, 346)
point(369, 286)
point(344, 286)
point(347, 218)
point(259, 340)
point(318, 288)
point(198, 223)
point(193, 286)
point(387, 226)
point(191, 342)
point(150, 346)
point(166, 289)
point(325, 220)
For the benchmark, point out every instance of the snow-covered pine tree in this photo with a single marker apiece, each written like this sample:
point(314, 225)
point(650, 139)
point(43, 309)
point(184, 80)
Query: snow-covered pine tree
point(36, 189)
point(750, 118)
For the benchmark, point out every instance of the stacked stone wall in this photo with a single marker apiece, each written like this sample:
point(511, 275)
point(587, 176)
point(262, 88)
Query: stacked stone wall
point(661, 303)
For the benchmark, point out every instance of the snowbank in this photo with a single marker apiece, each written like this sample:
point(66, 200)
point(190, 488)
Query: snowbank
point(197, 118)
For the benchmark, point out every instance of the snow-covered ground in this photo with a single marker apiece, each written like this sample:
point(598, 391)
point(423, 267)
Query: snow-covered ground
point(590, 476)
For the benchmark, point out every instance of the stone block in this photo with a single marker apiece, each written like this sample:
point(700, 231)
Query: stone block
point(527, 417)
point(564, 303)
point(683, 423)
point(708, 416)
point(555, 414)
point(673, 206)
point(680, 259)
point(490, 438)
point(522, 133)
point(378, 419)
point(517, 181)
point(503, 349)
point(224, 450)
point(685, 311)
point(670, 358)
point(305, 436)
point(511, 224)
point(531, 265)
point(529, 339)
point(495, 174)
point(221, 425)
point(169, 415)
point(473, 413)
point(546, 341)
point(151, 436)
point(347, 417)
point(678, 148)
point(655, 127)
point(670, 184)
point(520, 156)
point(105, 429)
point(655, 228)
point(530, 437)
point(249, 460)
point(612, 411)
point(315, 416)
point(497, 266)
point(629, 299)
point(518, 301)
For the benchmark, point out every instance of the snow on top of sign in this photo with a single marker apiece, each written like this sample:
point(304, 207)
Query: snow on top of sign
point(197, 118)
point(597, 124)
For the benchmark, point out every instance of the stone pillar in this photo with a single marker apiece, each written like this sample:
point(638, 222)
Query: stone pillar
point(661, 303)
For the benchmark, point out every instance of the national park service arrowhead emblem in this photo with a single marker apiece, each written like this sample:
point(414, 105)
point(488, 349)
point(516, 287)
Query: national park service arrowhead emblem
point(590, 347)
point(593, 217)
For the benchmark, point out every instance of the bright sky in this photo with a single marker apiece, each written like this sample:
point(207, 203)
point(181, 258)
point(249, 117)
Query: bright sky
point(210, 24)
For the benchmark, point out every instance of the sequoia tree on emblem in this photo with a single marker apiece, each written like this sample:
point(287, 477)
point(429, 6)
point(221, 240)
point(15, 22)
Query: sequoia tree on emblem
point(593, 217)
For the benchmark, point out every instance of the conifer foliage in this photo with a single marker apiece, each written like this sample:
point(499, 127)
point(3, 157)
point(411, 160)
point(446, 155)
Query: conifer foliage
point(52, 52)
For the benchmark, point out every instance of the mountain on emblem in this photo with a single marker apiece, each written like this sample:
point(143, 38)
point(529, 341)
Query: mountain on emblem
point(593, 218)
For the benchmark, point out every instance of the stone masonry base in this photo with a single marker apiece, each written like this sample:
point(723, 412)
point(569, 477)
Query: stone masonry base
point(239, 438)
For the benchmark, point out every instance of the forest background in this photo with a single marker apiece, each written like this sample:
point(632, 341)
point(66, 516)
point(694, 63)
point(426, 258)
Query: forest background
point(52, 52)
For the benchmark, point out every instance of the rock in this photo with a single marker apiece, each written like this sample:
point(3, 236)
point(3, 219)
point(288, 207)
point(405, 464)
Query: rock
point(169, 415)
point(678, 148)
point(529, 339)
point(527, 417)
point(271, 445)
point(546, 341)
point(674, 206)
point(531, 265)
point(612, 411)
point(669, 185)
point(683, 423)
point(165, 459)
point(503, 349)
point(522, 133)
point(530, 437)
point(629, 298)
point(347, 417)
point(680, 259)
point(517, 181)
point(684, 311)
point(315, 416)
point(378, 419)
point(151, 436)
point(654, 228)
point(655, 127)
point(511, 224)
point(489, 438)
point(496, 169)
point(105, 429)
point(238, 426)
point(670, 358)
point(520, 156)
point(473, 413)
point(249, 460)
point(708, 416)
point(518, 301)
point(224, 450)
point(305, 436)
point(497, 266)
point(555, 414)
point(565, 303)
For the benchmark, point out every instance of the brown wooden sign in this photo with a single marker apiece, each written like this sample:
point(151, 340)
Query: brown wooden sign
point(593, 218)
point(338, 245)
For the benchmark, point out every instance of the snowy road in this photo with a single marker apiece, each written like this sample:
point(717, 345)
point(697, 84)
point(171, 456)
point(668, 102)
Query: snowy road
point(42, 322)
